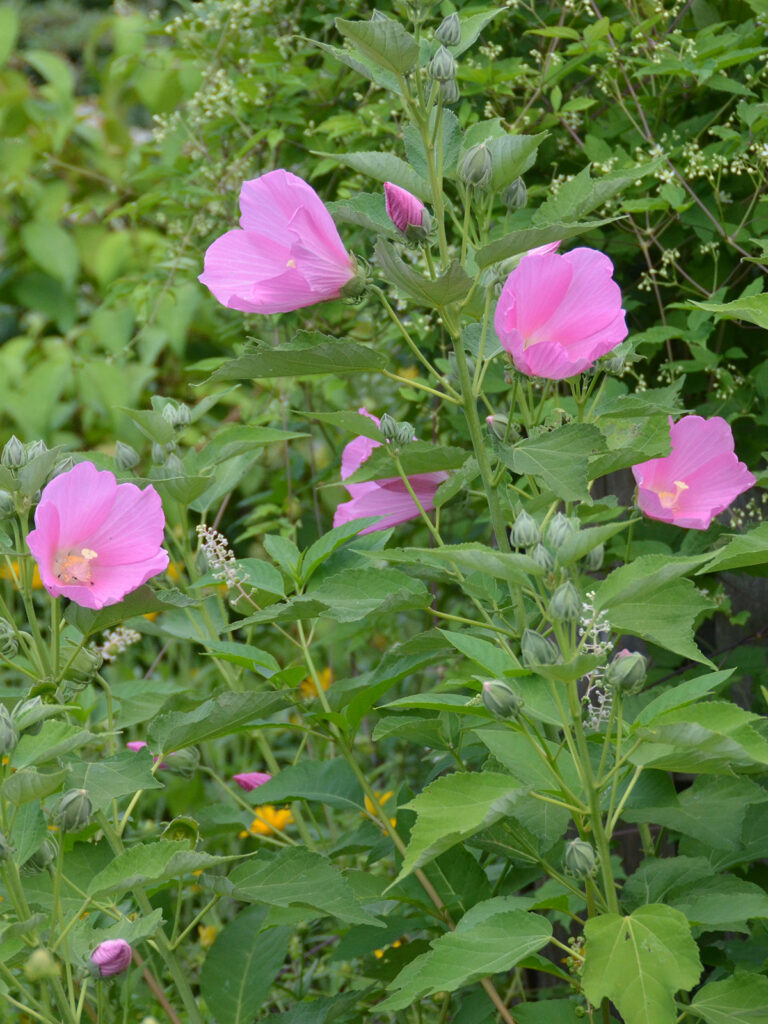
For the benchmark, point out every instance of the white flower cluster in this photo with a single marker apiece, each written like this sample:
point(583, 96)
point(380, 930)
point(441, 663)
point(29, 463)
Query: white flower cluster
point(595, 638)
point(116, 641)
point(219, 555)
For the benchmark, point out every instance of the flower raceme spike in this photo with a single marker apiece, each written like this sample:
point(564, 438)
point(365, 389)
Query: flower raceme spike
point(251, 780)
point(388, 498)
point(96, 540)
point(698, 479)
point(285, 255)
point(112, 957)
point(558, 313)
point(403, 208)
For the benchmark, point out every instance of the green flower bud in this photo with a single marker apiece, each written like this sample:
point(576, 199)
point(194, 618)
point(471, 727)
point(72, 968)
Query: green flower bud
point(537, 649)
point(388, 426)
point(515, 195)
point(565, 603)
point(173, 466)
point(9, 643)
point(83, 667)
point(543, 556)
point(62, 466)
point(74, 811)
point(9, 734)
point(403, 434)
point(35, 448)
point(525, 532)
point(501, 700)
point(476, 167)
point(7, 506)
point(126, 457)
point(594, 559)
point(183, 415)
point(449, 30)
point(354, 289)
point(580, 859)
point(442, 67)
point(14, 454)
point(160, 452)
point(560, 529)
point(41, 965)
point(450, 92)
point(28, 713)
point(615, 364)
point(626, 673)
point(6, 850)
point(183, 762)
point(41, 858)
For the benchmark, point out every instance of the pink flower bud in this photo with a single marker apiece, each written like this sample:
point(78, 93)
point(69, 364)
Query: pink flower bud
point(404, 209)
point(112, 956)
point(251, 780)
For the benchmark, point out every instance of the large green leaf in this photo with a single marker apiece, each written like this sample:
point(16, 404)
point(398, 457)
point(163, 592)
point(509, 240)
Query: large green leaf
point(149, 862)
point(742, 999)
point(144, 601)
point(383, 167)
point(560, 458)
point(512, 156)
point(752, 308)
point(452, 286)
point(54, 740)
point(384, 42)
point(740, 552)
point(241, 966)
point(523, 240)
point(29, 784)
point(478, 948)
point(583, 194)
point(723, 903)
point(125, 772)
point(502, 565)
point(418, 457)
point(307, 356)
point(640, 962)
point(329, 782)
point(220, 716)
point(353, 594)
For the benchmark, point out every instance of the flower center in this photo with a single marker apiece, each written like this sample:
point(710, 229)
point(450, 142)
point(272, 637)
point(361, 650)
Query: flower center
point(74, 566)
point(669, 499)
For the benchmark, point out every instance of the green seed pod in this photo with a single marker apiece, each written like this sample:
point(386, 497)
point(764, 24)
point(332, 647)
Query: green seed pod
point(560, 529)
point(580, 859)
point(7, 506)
point(442, 67)
point(476, 167)
point(543, 556)
point(593, 560)
point(515, 196)
point(525, 532)
point(565, 603)
point(501, 700)
point(183, 762)
point(626, 673)
point(14, 454)
point(74, 811)
point(388, 426)
point(9, 642)
point(9, 734)
point(126, 457)
point(41, 965)
point(537, 649)
point(41, 858)
point(449, 30)
point(450, 92)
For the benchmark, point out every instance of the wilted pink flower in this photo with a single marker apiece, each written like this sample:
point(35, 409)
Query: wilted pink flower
point(698, 479)
point(403, 208)
point(96, 540)
point(251, 780)
point(286, 254)
point(112, 957)
point(558, 313)
point(388, 498)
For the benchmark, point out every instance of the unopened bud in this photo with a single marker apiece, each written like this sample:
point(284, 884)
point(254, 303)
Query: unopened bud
point(515, 195)
point(183, 762)
point(183, 415)
point(41, 965)
point(7, 507)
point(28, 713)
point(14, 454)
point(388, 426)
point(615, 364)
point(525, 532)
point(9, 642)
point(559, 530)
point(565, 603)
point(74, 811)
point(403, 434)
point(9, 734)
point(580, 859)
point(449, 30)
point(543, 556)
point(450, 92)
point(403, 208)
point(160, 452)
point(111, 957)
point(476, 167)
point(81, 668)
point(537, 649)
point(62, 466)
point(173, 465)
point(593, 560)
point(501, 700)
point(35, 448)
point(6, 850)
point(442, 67)
point(44, 855)
point(126, 457)
point(626, 673)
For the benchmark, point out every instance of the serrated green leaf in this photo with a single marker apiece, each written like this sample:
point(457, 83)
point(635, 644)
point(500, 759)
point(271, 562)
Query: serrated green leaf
point(384, 42)
point(143, 601)
point(740, 552)
point(29, 784)
point(325, 546)
point(28, 831)
point(353, 594)
point(149, 862)
point(383, 167)
point(328, 355)
point(418, 457)
point(560, 458)
point(741, 999)
point(521, 241)
point(328, 782)
point(116, 776)
point(752, 308)
point(451, 286)
point(222, 715)
point(52, 249)
point(367, 210)
point(54, 740)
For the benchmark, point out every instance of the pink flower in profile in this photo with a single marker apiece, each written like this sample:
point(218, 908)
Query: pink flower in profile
point(388, 498)
point(697, 480)
point(251, 780)
point(558, 313)
point(112, 957)
point(286, 254)
point(403, 208)
point(96, 540)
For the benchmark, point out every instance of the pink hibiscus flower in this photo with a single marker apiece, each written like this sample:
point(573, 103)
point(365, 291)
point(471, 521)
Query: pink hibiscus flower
point(388, 498)
point(286, 254)
point(698, 479)
point(558, 313)
point(403, 208)
point(96, 540)
point(251, 780)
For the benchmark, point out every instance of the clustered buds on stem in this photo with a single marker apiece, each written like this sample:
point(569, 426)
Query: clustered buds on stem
point(525, 532)
point(565, 603)
point(560, 529)
point(443, 67)
point(449, 30)
point(14, 454)
point(126, 457)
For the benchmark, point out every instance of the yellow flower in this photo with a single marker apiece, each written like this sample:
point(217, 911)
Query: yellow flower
point(379, 953)
point(268, 819)
point(382, 798)
point(12, 572)
point(207, 933)
point(308, 688)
